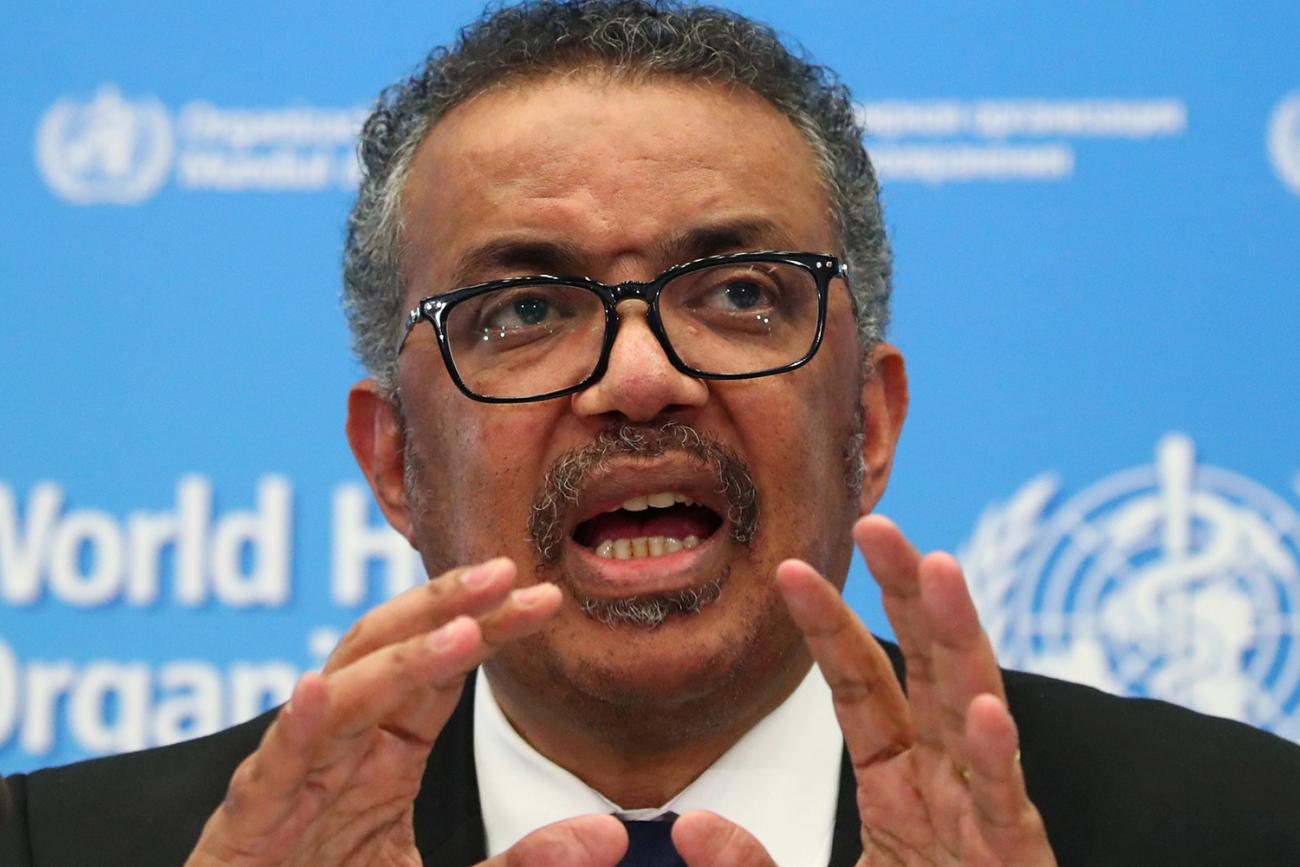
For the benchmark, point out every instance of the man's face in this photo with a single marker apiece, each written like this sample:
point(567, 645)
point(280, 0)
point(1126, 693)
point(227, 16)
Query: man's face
point(617, 181)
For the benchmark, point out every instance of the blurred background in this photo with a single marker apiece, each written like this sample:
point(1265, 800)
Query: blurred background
point(1096, 217)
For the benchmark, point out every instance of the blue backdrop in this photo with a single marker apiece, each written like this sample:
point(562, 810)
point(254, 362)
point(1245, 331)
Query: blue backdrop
point(1096, 216)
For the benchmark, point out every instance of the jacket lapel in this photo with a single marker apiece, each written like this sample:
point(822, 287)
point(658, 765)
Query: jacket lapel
point(846, 839)
point(448, 820)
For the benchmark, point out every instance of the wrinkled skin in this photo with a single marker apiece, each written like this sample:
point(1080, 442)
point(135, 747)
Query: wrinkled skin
point(619, 180)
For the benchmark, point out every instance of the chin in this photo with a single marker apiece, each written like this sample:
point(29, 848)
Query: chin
point(711, 657)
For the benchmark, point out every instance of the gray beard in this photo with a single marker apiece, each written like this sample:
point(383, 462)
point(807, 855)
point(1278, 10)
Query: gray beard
point(565, 478)
point(570, 473)
point(649, 612)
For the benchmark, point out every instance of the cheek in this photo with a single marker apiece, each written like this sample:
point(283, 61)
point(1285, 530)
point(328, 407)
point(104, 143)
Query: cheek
point(799, 432)
point(483, 464)
point(802, 421)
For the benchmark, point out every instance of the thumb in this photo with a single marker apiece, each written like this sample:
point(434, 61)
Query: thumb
point(583, 841)
point(705, 839)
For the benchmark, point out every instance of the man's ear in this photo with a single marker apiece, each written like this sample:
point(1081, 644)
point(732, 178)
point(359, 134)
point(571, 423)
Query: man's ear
point(884, 406)
point(375, 434)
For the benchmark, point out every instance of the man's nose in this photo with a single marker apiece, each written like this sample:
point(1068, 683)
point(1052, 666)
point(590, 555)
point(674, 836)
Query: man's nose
point(640, 383)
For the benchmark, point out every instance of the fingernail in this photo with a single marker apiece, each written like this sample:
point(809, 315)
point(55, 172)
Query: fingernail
point(442, 638)
point(529, 597)
point(480, 575)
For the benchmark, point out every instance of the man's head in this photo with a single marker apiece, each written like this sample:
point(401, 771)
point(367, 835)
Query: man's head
point(635, 40)
point(615, 141)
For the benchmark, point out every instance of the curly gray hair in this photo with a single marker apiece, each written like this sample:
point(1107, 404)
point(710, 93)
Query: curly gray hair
point(627, 37)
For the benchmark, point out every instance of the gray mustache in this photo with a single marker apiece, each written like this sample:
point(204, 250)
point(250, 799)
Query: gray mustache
point(567, 476)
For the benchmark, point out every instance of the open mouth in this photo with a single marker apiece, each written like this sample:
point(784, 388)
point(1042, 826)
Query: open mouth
point(650, 525)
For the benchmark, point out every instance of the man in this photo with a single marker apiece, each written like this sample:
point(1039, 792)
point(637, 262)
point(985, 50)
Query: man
point(632, 442)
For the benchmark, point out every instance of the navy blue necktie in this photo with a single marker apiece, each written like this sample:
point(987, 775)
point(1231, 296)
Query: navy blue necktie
point(650, 844)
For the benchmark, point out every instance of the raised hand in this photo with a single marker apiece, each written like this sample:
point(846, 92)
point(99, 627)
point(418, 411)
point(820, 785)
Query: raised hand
point(335, 776)
point(938, 770)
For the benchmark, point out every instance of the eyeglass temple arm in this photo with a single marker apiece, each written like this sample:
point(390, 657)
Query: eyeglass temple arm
point(843, 274)
point(413, 317)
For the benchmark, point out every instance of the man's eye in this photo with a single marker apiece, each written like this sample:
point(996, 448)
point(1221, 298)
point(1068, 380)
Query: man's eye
point(520, 312)
point(739, 295)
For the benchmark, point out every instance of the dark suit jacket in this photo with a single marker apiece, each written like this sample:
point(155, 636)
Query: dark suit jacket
point(1118, 782)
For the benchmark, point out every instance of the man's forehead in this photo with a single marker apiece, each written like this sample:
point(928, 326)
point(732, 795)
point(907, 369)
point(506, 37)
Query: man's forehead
point(666, 166)
point(543, 133)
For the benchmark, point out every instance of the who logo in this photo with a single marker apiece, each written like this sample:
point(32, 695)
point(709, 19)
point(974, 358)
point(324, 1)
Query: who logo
point(108, 150)
point(1178, 581)
point(1284, 141)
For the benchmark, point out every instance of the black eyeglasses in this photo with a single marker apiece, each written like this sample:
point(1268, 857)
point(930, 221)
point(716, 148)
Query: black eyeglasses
point(722, 317)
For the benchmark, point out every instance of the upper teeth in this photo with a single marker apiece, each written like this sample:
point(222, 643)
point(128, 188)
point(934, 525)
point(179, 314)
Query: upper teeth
point(659, 501)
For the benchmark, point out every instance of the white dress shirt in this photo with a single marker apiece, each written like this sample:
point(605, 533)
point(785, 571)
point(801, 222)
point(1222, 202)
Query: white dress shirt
point(780, 781)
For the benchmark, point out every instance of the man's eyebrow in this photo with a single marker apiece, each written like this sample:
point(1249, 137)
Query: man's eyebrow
point(517, 255)
point(729, 236)
point(561, 258)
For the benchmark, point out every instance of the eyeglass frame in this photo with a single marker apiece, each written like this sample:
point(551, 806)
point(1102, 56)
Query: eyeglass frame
point(823, 267)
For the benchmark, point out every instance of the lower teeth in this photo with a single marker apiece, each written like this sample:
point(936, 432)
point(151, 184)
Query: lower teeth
point(643, 546)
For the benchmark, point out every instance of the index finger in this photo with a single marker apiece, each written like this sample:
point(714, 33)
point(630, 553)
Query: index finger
point(469, 590)
point(869, 702)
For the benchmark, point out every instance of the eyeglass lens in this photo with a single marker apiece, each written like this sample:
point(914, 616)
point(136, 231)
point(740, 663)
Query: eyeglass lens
point(731, 318)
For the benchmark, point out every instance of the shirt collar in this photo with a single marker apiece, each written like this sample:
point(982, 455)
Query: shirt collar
point(780, 781)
